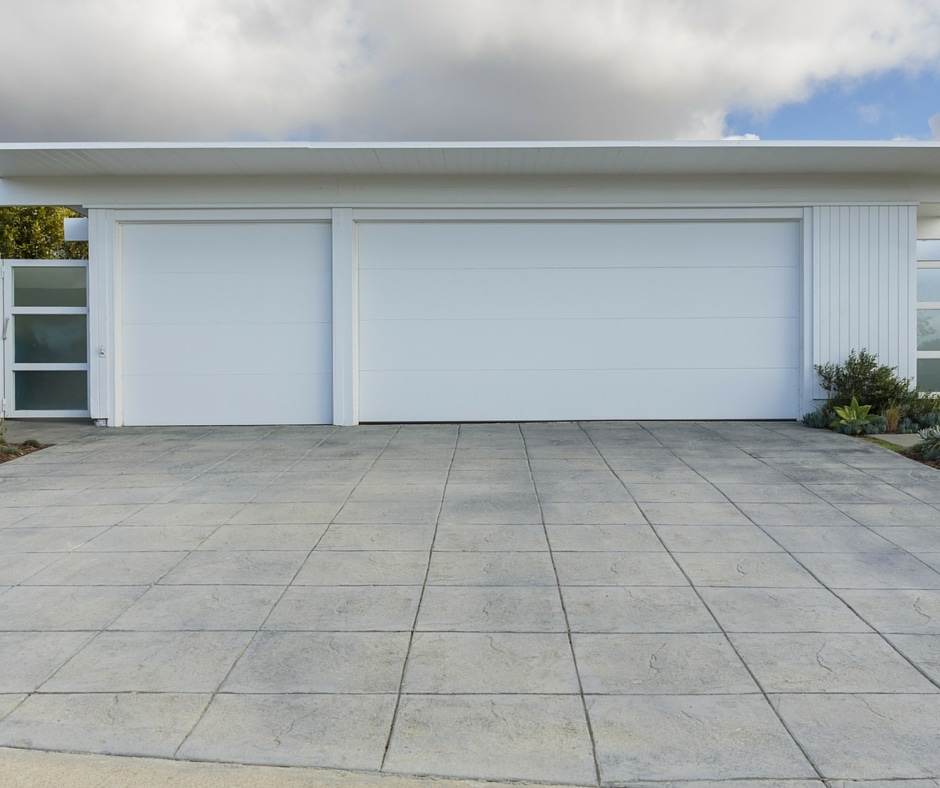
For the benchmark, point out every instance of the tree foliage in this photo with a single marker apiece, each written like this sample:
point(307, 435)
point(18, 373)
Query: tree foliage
point(35, 232)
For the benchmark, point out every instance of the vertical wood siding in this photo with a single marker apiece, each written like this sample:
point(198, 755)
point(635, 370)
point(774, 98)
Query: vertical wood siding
point(863, 271)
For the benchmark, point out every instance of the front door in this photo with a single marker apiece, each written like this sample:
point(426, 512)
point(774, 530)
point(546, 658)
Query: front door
point(45, 338)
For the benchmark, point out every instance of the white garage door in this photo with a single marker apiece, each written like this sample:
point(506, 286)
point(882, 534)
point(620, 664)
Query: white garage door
point(226, 323)
point(578, 320)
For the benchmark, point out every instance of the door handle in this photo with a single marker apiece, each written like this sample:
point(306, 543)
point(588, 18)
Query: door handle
point(6, 323)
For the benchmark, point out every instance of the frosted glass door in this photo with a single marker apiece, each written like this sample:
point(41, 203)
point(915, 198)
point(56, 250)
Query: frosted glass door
point(46, 338)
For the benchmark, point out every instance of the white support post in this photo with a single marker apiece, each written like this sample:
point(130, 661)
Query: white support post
point(345, 319)
point(102, 303)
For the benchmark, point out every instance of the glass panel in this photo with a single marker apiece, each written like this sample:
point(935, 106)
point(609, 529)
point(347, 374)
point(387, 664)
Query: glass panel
point(928, 374)
point(50, 339)
point(42, 286)
point(51, 390)
point(928, 284)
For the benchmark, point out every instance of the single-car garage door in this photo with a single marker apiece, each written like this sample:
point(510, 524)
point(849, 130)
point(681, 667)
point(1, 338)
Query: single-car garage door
point(226, 323)
point(480, 321)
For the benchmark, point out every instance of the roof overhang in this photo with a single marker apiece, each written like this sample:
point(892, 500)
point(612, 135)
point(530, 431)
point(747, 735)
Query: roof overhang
point(739, 157)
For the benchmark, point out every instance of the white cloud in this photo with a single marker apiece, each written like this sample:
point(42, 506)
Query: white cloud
point(428, 69)
point(934, 122)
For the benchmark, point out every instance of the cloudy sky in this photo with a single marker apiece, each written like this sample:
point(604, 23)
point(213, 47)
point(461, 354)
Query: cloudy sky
point(356, 70)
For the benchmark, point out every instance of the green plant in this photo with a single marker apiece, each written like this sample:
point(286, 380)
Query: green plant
point(929, 446)
point(892, 418)
point(8, 448)
point(854, 419)
point(863, 378)
point(818, 419)
point(32, 443)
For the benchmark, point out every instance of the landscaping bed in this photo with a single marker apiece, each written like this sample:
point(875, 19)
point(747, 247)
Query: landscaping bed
point(11, 451)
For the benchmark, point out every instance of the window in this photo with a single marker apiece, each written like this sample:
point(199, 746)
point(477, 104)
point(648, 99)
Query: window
point(928, 315)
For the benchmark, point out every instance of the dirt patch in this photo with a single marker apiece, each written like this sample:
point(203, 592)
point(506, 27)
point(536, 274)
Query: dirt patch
point(12, 451)
point(916, 456)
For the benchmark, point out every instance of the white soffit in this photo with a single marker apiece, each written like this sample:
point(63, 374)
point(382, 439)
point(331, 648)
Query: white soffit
point(38, 160)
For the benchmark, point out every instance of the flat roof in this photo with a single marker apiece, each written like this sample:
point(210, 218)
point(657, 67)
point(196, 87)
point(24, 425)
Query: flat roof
point(724, 157)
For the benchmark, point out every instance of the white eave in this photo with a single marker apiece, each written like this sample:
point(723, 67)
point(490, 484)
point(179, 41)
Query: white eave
point(42, 160)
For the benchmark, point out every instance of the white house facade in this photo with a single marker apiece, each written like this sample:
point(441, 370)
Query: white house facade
point(312, 283)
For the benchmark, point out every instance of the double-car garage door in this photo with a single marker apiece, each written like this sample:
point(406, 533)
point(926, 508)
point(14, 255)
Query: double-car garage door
point(578, 320)
point(231, 323)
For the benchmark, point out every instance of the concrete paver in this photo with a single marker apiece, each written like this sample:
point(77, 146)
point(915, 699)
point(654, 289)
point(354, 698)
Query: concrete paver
point(580, 603)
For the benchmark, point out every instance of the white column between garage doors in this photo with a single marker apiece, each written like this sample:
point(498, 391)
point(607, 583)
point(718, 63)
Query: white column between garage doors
point(225, 320)
point(575, 319)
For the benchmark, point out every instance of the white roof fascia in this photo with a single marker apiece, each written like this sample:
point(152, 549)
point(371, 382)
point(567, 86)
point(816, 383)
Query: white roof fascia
point(670, 158)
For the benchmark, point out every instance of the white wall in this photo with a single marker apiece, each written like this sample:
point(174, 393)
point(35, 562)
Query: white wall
point(863, 265)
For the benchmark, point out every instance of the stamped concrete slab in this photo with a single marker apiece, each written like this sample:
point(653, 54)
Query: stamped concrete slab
point(636, 609)
point(237, 567)
point(699, 737)
point(139, 538)
point(27, 659)
point(491, 609)
point(490, 663)
point(70, 608)
point(758, 570)
point(795, 514)
point(619, 568)
point(150, 662)
point(781, 610)
point(482, 538)
point(913, 611)
point(828, 662)
point(592, 513)
point(505, 737)
point(490, 687)
point(491, 568)
point(276, 536)
point(661, 664)
point(337, 731)
point(116, 723)
point(46, 539)
point(105, 569)
point(828, 538)
point(360, 536)
point(922, 650)
point(188, 608)
point(716, 539)
point(363, 567)
point(866, 736)
point(603, 538)
point(315, 662)
point(892, 568)
point(346, 609)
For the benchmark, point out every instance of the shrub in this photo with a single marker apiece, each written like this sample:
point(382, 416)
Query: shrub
point(862, 377)
point(32, 443)
point(817, 419)
point(929, 446)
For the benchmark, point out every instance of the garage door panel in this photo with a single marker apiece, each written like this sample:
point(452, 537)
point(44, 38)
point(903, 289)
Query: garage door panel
point(575, 344)
point(252, 348)
point(557, 395)
point(532, 294)
point(226, 323)
point(212, 298)
point(152, 400)
point(194, 247)
point(566, 244)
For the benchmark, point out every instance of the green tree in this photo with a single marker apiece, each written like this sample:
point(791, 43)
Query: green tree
point(34, 232)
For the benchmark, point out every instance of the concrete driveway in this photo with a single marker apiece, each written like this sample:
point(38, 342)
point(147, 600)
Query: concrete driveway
point(573, 603)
